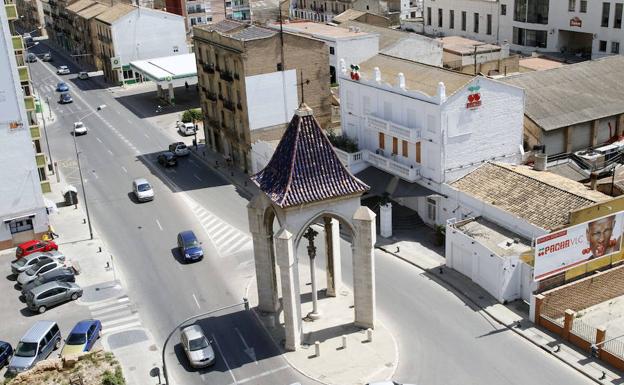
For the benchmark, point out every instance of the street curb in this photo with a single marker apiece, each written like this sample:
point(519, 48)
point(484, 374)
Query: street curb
point(224, 175)
point(458, 290)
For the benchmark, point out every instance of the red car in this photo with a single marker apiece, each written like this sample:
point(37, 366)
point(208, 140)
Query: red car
point(34, 246)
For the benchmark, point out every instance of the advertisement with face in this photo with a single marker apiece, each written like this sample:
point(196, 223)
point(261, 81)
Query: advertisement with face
point(565, 249)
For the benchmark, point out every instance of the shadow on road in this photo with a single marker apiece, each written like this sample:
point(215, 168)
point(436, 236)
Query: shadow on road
point(144, 104)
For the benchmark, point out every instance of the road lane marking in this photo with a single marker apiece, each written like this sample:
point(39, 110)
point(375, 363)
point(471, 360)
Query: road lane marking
point(98, 139)
point(248, 350)
point(124, 169)
point(159, 226)
point(198, 178)
point(112, 309)
point(147, 136)
point(120, 327)
point(224, 360)
point(95, 175)
point(108, 303)
point(109, 151)
point(196, 301)
point(134, 317)
point(263, 374)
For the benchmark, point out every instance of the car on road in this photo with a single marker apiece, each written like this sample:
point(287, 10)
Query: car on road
point(83, 75)
point(31, 57)
point(65, 98)
point(63, 70)
point(186, 129)
point(41, 267)
point(82, 337)
point(62, 87)
point(142, 190)
point(179, 148)
point(49, 294)
point(33, 246)
point(47, 57)
point(189, 247)
point(36, 345)
point(6, 351)
point(80, 128)
point(167, 159)
point(197, 347)
point(64, 274)
point(20, 265)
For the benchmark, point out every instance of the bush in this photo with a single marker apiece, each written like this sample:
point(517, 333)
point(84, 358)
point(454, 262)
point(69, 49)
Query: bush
point(342, 142)
point(192, 115)
point(113, 378)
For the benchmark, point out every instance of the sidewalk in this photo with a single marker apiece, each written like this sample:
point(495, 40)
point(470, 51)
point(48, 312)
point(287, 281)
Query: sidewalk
point(513, 316)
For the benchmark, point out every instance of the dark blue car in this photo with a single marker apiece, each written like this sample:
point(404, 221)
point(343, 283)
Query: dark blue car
point(6, 351)
point(82, 337)
point(62, 87)
point(189, 247)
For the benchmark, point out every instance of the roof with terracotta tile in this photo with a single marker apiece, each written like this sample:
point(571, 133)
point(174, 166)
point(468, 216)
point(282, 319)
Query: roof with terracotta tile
point(115, 12)
point(305, 168)
point(539, 197)
point(78, 5)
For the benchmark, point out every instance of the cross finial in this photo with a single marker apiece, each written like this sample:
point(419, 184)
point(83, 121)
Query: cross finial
point(310, 234)
point(301, 84)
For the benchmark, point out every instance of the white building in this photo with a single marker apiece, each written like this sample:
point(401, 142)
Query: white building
point(425, 124)
point(474, 19)
point(23, 212)
point(350, 44)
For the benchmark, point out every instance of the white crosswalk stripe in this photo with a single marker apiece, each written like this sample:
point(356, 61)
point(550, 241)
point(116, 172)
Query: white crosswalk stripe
point(226, 238)
point(116, 314)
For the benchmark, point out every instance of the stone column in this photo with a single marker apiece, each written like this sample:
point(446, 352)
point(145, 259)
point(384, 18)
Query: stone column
point(332, 248)
point(171, 96)
point(264, 260)
point(290, 289)
point(385, 220)
point(310, 234)
point(364, 267)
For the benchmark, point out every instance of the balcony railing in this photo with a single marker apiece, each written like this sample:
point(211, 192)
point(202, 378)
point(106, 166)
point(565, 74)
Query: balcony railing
point(229, 105)
point(209, 67)
point(211, 96)
point(18, 43)
point(45, 186)
point(356, 161)
point(23, 74)
point(394, 129)
point(11, 11)
point(239, 106)
point(226, 75)
point(40, 160)
point(35, 133)
point(29, 102)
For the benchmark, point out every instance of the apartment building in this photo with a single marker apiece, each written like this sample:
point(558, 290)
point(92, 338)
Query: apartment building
point(22, 208)
point(198, 12)
point(80, 39)
point(125, 33)
point(251, 81)
point(473, 19)
point(31, 15)
point(325, 11)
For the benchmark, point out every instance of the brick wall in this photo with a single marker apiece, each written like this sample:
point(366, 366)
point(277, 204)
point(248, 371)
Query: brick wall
point(586, 292)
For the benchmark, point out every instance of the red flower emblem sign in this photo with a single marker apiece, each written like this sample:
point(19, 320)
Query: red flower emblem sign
point(474, 98)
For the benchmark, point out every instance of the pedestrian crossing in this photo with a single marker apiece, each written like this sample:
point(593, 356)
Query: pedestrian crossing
point(116, 314)
point(226, 238)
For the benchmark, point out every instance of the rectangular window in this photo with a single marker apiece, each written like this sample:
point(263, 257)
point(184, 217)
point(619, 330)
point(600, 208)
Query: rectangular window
point(520, 10)
point(606, 9)
point(617, 22)
point(331, 50)
point(418, 152)
point(571, 5)
point(382, 141)
point(19, 225)
point(476, 23)
point(428, 15)
point(602, 46)
point(404, 145)
point(431, 209)
point(583, 6)
point(440, 10)
point(489, 24)
point(451, 19)
point(530, 37)
point(537, 11)
point(615, 47)
point(395, 146)
point(503, 9)
point(463, 21)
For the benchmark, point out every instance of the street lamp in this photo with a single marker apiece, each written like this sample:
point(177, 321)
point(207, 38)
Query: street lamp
point(245, 303)
point(84, 191)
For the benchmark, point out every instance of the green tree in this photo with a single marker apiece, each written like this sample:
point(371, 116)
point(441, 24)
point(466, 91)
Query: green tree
point(192, 115)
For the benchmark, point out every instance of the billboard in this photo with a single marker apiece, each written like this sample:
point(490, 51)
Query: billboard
point(562, 250)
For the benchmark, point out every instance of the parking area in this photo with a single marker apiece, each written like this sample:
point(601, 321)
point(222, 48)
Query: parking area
point(15, 317)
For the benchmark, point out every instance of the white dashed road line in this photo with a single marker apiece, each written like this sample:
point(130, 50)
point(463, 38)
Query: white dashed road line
point(196, 301)
point(159, 226)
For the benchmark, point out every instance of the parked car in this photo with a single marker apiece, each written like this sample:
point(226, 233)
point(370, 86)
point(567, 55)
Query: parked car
point(189, 247)
point(33, 246)
point(31, 57)
point(6, 351)
point(167, 159)
point(142, 190)
point(41, 267)
point(179, 149)
point(80, 128)
point(49, 294)
point(47, 57)
point(186, 129)
point(83, 75)
point(62, 87)
point(64, 274)
point(65, 98)
point(82, 337)
point(63, 70)
point(25, 263)
point(36, 345)
point(197, 347)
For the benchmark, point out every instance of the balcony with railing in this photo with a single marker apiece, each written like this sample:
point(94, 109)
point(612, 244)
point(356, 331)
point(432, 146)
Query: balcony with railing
point(35, 132)
point(212, 96)
point(23, 74)
point(209, 67)
point(393, 129)
point(11, 11)
point(18, 43)
point(356, 161)
point(229, 105)
point(29, 102)
point(40, 159)
point(227, 75)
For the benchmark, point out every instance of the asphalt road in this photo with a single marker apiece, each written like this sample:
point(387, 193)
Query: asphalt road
point(441, 338)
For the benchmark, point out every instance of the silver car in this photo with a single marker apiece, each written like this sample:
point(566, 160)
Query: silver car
point(25, 263)
point(41, 267)
point(142, 190)
point(50, 294)
point(197, 347)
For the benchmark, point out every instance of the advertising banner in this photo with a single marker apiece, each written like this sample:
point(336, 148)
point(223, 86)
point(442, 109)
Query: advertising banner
point(562, 250)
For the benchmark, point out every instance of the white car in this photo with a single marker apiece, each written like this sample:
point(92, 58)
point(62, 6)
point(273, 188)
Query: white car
point(179, 149)
point(186, 129)
point(62, 70)
point(80, 128)
point(142, 190)
point(83, 75)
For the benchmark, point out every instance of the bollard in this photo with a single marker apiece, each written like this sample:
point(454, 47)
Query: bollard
point(344, 341)
point(84, 221)
point(317, 349)
point(369, 334)
point(99, 249)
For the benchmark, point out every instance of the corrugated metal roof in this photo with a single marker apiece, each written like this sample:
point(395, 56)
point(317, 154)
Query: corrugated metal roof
point(573, 94)
point(539, 197)
point(304, 167)
point(222, 26)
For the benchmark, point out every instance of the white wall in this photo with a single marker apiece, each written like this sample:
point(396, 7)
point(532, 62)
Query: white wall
point(482, 7)
point(271, 98)
point(146, 34)
point(418, 48)
point(261, 153)
point(355, 50)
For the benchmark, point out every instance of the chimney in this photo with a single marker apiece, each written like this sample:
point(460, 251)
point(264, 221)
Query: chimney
point(540, 161)
point(401, 80)
point(593, 180)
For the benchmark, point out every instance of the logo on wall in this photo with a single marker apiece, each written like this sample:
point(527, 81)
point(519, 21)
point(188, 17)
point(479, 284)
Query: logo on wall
point(474, 98)
point(576, 22)
point(355, 72)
